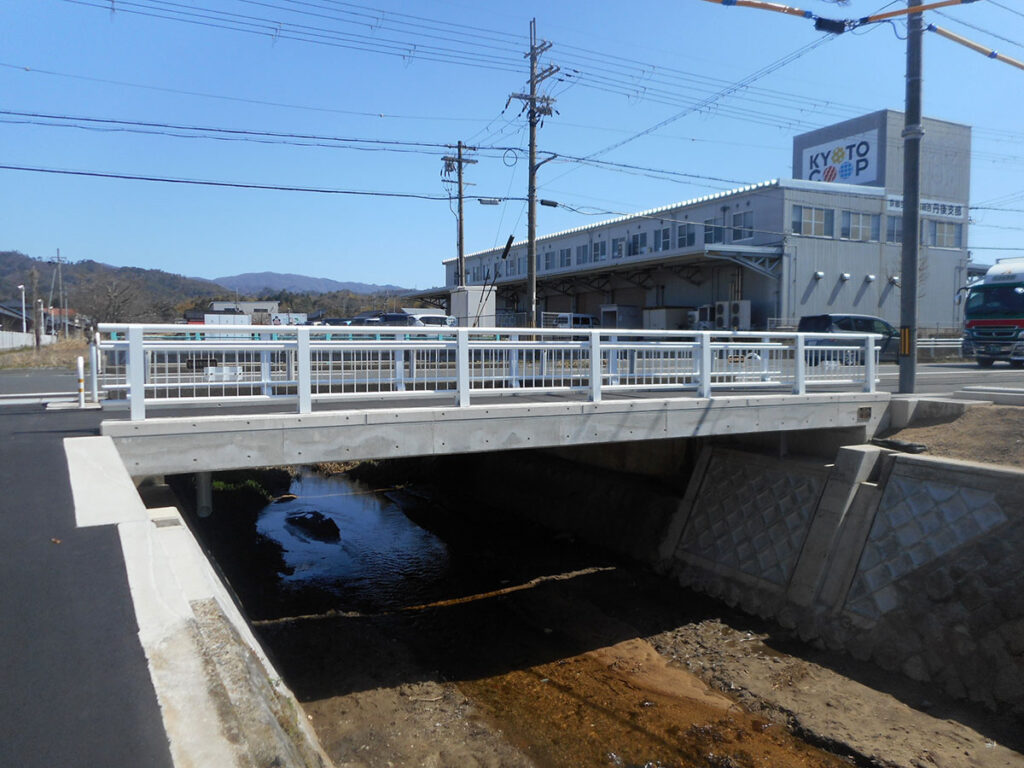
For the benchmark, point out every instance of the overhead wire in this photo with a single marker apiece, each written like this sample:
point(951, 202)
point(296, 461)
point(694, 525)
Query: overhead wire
point(976, 28)
point(230, 184)
point(412, 49)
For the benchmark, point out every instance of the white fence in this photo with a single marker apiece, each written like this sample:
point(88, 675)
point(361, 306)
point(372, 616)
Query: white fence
point(299, 366)
point(17, 339)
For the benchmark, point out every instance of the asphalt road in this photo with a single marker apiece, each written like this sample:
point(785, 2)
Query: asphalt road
point(938, 378)
point(19, 381)
point(76, 686)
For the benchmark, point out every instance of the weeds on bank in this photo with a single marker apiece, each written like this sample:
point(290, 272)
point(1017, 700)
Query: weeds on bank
point(60, 354)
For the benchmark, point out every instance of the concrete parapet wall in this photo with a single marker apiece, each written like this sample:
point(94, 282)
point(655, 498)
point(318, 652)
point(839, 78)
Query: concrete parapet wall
point(910, 561)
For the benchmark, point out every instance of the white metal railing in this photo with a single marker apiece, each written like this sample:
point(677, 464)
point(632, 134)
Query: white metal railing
point(187, 365)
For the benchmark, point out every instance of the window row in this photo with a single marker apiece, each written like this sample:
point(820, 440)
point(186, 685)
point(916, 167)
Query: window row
point(867, 227)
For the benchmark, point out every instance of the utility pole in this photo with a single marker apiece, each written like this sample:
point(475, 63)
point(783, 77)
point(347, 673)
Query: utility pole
point(538, 106)
point(450, 163)
point(60, 294)
point(912, 133)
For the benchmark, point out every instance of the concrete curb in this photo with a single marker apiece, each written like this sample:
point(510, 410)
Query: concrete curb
point(221, 699)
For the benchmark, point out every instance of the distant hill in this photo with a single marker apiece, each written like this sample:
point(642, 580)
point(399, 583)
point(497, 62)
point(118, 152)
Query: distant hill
point(104, 292)
point(272, 282)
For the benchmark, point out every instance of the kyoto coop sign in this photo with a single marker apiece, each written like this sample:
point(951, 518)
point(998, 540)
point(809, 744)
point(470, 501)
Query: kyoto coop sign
point(851, 160)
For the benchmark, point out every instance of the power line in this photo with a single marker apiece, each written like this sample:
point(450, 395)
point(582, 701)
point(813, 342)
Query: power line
point(976, 28)
point(273, 30)
point(412, 48)
point(222, 97)
point(234, 184)
point(244, 134)
point(1005, 8)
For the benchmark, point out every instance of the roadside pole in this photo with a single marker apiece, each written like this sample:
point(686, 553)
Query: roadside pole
point(912, 133)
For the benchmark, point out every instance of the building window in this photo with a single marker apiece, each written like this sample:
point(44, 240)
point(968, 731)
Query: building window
point(816, 222)
point(713, 231)
point(743, 225)
point(510, 266)
point(945, 234)
point(549, 260)
point(894, 229)
point(565, 257)
point(582, 254)
point(522, 265)
point(686, 236)
point(663, 239)
point(638, 244)
point(618, 247)
point(600, 251)
point(859, 226)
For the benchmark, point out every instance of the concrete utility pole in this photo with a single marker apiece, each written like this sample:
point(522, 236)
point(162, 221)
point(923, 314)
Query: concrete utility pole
point(538, 106)
point(450, 163)
point(912, 133)
point(39, 323)
point(23, 326)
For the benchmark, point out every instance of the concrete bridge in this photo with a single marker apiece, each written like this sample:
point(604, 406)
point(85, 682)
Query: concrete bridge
point(851, 550)
point(242, 396)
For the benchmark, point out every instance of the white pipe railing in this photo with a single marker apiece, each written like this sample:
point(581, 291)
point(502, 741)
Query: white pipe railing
point(192, 365)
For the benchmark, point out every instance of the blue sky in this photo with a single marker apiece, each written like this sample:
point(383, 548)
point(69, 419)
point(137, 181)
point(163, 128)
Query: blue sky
point(433, 73)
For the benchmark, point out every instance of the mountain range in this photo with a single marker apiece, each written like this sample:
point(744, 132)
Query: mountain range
point(254, 283)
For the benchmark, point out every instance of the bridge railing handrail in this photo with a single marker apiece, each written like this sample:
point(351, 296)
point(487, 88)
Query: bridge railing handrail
point(198, 364)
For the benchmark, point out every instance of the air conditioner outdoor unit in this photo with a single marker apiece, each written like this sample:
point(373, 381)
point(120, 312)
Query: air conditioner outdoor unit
point(739, 315)
point(722, 315)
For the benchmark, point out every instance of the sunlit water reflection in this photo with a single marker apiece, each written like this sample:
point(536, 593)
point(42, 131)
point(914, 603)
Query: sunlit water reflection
point(380, 560)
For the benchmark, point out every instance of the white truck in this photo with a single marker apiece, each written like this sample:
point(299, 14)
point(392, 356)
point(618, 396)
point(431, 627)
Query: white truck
point(994, 316)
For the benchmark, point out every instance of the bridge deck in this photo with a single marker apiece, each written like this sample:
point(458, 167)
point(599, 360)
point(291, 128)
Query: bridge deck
point(231, 438)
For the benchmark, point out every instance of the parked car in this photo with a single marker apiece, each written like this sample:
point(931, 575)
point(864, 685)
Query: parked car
point(888, 346)
point(446, 321)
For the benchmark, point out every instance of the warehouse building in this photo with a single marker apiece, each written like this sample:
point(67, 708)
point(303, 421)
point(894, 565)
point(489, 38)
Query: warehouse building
point(759, 257)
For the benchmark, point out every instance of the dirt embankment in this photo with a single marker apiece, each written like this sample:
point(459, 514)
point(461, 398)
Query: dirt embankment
point(992, 434)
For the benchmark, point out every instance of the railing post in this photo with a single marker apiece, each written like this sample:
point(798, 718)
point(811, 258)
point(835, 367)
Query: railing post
point(398, 357)
point(304, 379)
point(462, 366)
point(613, 361)
point(595, 366)
point(265, 370)
point(513, 363)
point(869, 364)
point(136, 374)
point(799, 366)
point(704, 349)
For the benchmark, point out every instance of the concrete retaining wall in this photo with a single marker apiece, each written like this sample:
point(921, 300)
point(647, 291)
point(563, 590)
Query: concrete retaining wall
point(909, 561)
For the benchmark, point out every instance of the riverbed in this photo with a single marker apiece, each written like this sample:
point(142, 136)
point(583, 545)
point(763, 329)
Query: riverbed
point(432, 632)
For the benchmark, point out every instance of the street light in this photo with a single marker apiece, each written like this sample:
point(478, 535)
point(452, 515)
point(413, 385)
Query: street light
point(22, 289)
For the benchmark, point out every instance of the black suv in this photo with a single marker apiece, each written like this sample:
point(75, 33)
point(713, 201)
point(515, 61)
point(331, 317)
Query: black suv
point(888, 346)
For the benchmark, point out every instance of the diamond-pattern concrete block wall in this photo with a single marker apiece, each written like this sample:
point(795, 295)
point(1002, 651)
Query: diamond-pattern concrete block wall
point(918, 520)
point(752, 515)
